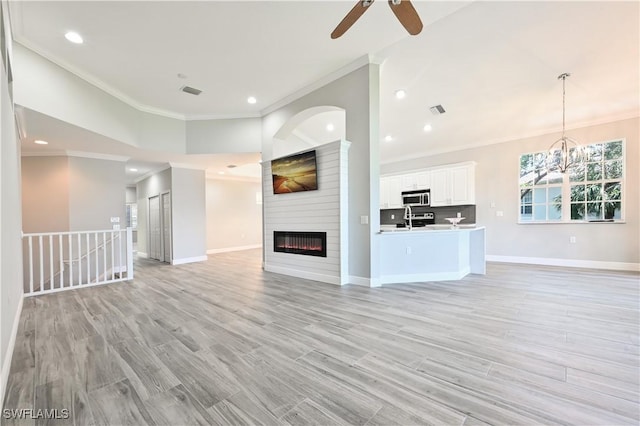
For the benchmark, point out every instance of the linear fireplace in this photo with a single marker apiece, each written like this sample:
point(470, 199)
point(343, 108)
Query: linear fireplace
point(306, 243)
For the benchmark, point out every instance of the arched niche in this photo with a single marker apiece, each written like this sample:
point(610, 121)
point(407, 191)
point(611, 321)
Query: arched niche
point(309, 128)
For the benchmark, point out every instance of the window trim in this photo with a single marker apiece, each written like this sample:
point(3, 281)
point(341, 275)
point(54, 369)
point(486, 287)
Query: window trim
point(567, 201)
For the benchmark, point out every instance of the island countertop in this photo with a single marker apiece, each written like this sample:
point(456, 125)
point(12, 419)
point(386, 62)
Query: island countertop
point(429, 228)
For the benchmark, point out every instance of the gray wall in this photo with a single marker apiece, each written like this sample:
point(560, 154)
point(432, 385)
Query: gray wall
point(497, 174)
point(71, 193)
point(234, 219)
point(358, 94)
point(154, 185)
point(188, 211)
point(130, 195)
point(230, 135)
point(10, 224)
point(45, 194)
point(96, 193)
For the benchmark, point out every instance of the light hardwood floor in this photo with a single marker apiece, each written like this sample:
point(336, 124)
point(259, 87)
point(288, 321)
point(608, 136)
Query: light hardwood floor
point(223, 342)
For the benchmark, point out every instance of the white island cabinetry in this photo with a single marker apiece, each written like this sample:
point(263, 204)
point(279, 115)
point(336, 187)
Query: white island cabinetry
point(431, 254)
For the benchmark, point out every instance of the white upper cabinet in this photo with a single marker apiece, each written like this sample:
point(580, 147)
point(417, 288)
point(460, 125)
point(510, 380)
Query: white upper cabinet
point(419, 180)
point(453, 186)
point(391, 192)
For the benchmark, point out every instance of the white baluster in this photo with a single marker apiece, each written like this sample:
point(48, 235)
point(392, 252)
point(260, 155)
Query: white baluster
point(88, 259)
point(51, 262)
point(95, 235)
point(104, 254)
point(61, 263)
point(113, 258)
point(30, 264)
point(70, 259)
point(79, 260)
point(41, 260)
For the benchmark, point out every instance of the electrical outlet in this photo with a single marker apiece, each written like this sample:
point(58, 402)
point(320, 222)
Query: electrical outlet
point(408, 250)
point(499, 213)
point(393, 216)
point(572, 239)
point(364, 220)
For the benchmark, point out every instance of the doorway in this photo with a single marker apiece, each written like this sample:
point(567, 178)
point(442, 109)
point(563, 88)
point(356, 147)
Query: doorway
point(160, 227)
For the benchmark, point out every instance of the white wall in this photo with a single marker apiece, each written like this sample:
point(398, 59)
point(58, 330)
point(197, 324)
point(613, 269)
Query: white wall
point(10, 224)
point(151, 186)
point(321, 210)
point(497, 174)
point(188, 211)
point(45, 194)
point(358, 94)
point(96, 193)
point(234, 218)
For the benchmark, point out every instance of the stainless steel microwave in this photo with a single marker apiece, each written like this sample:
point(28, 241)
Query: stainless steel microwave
point(420, 197)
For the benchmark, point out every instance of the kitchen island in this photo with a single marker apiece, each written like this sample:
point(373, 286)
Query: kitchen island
point(431, 253)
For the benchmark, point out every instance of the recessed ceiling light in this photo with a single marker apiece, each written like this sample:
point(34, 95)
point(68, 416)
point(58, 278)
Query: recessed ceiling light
point(400, 94)
point(220, 173)
point(252, 100)
point(388, 138)
point(330, 127)
point(133, 169)
point(74, 37)
point(41, 142)
point(427, 128)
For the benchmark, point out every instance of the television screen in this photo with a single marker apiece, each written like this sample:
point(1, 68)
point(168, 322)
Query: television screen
point(294, 173)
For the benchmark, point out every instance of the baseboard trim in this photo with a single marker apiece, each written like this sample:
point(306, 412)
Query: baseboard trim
point(361, 281)
point(434, 276)
point(189, 260)
point(6, 365)
point(569, 263)
point(230, 249)
point(143, 255)
point(329, 279)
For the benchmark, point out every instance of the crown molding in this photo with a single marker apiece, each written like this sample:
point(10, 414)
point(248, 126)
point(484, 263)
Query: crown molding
point(52, 153)
point(97, 156)
point(549, 131)
point(323, 81)
point(186, 166)
point(225, 177)
point(152, 172)
point(204, 117)
point(98, 83)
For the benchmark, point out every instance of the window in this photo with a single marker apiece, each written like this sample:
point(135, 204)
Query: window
point(590, 191)
point(132, 215)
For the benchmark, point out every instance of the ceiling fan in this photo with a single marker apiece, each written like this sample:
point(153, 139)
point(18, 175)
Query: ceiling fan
point(403, 9)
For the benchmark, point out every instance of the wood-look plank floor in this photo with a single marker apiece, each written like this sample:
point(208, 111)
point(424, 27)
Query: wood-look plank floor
point(223, 342)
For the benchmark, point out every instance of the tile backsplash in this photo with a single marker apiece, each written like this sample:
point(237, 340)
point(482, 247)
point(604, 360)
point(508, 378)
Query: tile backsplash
point(468, 212)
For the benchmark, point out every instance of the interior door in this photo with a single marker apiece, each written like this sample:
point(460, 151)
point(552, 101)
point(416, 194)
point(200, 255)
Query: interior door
point(166, 227)
point(154, 228)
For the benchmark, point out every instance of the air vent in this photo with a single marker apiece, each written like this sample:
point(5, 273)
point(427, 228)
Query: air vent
point(190, 90)
point(231, 166)
point(437, 110)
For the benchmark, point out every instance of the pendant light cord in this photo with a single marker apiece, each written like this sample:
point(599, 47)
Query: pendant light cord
point(564, 79)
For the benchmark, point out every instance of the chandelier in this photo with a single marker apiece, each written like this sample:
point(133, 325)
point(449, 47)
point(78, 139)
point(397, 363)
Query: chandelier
point(565, 152)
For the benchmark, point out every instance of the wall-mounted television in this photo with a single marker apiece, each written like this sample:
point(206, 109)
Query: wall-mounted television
point(295, 173)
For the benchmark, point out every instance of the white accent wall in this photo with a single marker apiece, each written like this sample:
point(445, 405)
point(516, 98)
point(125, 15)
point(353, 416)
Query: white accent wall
point(323, 210)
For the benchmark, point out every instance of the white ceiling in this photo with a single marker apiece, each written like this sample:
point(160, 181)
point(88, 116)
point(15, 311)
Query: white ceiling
point(492, 65)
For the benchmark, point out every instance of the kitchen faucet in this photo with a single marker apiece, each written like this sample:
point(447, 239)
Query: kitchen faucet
point(408, 215)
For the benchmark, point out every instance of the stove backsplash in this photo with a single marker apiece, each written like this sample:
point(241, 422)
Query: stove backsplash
point(468, 212)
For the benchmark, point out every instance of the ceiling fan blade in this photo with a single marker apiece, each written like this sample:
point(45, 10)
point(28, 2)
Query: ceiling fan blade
point(351, 18)
point(407, 15)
